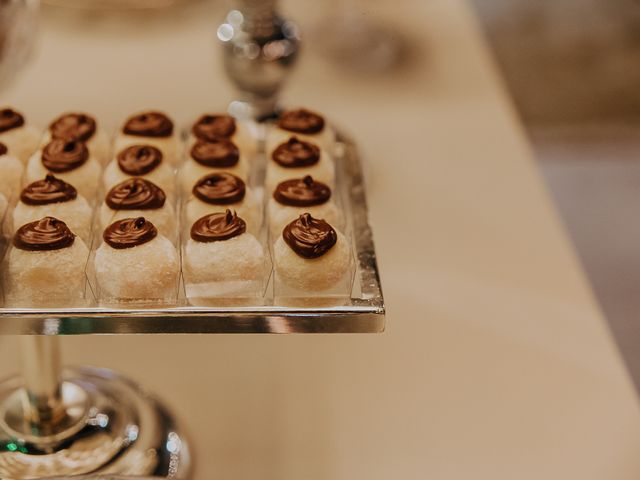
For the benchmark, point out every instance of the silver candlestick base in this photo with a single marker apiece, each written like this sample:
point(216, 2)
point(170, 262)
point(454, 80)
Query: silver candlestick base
point(87, 420)
point(260, 50)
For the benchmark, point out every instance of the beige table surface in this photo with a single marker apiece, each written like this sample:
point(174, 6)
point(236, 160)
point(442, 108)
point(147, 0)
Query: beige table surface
point(496, 363)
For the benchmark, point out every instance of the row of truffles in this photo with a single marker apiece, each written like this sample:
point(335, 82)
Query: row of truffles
point(137, 258)
point(310, 253)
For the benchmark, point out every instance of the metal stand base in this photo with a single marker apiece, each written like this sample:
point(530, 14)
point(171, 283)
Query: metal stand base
point(111, 426)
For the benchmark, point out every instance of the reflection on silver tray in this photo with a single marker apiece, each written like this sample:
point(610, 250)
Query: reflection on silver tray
point(363, 313)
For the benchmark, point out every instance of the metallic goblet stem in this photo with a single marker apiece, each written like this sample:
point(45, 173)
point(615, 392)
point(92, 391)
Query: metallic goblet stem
point(259, 50)
point(43, 406)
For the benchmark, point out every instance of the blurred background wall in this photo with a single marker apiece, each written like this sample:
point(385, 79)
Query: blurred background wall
point(569, 61)
point(573, 69)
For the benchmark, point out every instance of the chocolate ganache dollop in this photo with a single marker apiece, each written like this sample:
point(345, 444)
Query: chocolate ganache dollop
point(218, 226)
point(212, 127)
point(48, 233)
point(62, 155)
point(73, 126)
point(47, 191)
point(218, 153)
point(301, 121)
point(129, 232)
point(149, 124)
point(309, 237)
point(3, 149)
point(139, 160)
point(296, 153)
point(302, 192)
point(135, 194)
point(10, 119)
point(220, 189)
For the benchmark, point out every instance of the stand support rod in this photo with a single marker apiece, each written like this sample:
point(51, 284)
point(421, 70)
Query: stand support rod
point(43, 406)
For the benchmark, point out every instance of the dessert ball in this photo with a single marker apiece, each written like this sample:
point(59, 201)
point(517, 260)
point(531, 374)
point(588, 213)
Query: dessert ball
point(135, 262)
point(80, 127)
point(304, 124)
point(69, 160)
point(56, 198)
point(210, 127)
point(137, 197)
point(12, 170)
point(20, 138)
point(223, 256)
point(218, 192)
point(294, 197)
point(296, 158)
point(220, 155)
point(311, 255)
point(151, 128)
point(143, 161)
point(46, 265)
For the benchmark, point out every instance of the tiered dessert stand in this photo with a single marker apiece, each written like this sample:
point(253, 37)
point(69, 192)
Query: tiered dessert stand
point(78, 420)
point(69, 421)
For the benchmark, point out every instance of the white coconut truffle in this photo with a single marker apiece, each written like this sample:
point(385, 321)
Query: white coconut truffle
point(11, 169)
point(304, 124)
point(99, 145)
point(163, 217)
point(216, 156)
point(294, 197)
point(245, 134)
point(46, 266)
point(281, 215)
point(221, 258)
point(295, 159)
point(151, 128)
point(143, 161)
point(20, 138)
point(70, 161)
point(136, 263)
point(56, 198)
point(218, 192)
point(137, 197)
point(80, 127)
point(311, 255)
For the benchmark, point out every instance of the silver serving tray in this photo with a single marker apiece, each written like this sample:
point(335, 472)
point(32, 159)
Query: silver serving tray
point(363, 313)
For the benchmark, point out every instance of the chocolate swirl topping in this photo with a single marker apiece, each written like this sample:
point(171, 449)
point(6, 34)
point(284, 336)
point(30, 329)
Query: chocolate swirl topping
point(139, 160)
point(47, 233)
point(62, 155)
point(295, 153)
point(3, 149)
point(73, 126)
point(129, 233)
point(149, 124)
point(220, 189)
point(302, 192)
point(135, 194)
point(219, 153)
point(10, 119)
point(212, 127)
point(309, 237)
point(218, 226)
point(301, 121)
point(47, 191)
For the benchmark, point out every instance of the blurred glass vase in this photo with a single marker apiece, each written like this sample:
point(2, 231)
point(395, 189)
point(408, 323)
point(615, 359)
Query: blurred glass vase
point(18, 25)
point(350, 37)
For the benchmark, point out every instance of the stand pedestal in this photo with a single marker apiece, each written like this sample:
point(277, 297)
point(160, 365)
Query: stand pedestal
point(83, 420)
